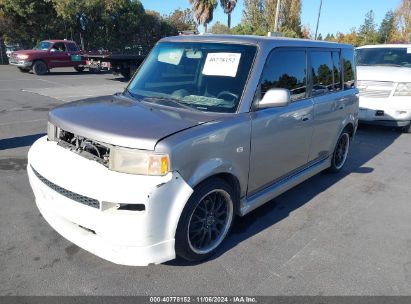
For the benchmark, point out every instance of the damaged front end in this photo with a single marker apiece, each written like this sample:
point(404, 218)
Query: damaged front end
point(128, 219)
point(88, 148)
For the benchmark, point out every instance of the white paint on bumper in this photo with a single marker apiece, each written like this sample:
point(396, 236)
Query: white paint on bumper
point(121, 236)
point(397, 110)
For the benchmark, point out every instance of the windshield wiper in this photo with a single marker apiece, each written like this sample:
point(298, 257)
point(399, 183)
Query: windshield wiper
point(128, 92)
point(172, 100)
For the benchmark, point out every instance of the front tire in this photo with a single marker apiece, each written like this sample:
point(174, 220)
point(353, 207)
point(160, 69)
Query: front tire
point(205, 220)
point(40, 68)
point(23, 70)
point(340, 154)
point(125, 73)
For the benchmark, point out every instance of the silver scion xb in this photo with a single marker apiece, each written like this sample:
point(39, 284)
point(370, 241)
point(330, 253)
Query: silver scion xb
point(210, 127)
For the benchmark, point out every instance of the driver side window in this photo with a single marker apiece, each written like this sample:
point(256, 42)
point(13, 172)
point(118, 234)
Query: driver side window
point(286, 69)
point(59, 47)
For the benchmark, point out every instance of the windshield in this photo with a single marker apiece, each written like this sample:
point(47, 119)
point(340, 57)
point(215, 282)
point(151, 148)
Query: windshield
point(203, 76)
point(42, 46)
point(400, 57)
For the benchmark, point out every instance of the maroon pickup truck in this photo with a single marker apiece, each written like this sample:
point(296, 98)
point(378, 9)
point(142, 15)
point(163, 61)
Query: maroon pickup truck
point(49, 54)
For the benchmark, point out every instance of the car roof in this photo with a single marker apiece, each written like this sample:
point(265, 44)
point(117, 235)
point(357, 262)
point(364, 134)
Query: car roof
point(256, 40)
point(374, 46)
point(58, 40)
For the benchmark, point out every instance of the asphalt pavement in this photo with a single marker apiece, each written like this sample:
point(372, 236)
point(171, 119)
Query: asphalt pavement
point(341, 234)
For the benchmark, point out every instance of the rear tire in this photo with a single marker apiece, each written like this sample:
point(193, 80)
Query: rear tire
point(406, 129)
point(79, 69)
point(340, 154)
point(205, 220)
point(40, 68)
point(125, 73)
point(94, 70)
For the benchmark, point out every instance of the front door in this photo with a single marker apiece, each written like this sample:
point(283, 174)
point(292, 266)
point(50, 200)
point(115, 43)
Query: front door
point(59, 56)
point(281, 137)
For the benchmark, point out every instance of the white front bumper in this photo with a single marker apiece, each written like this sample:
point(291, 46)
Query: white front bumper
point(397, 110)
point(120, 236)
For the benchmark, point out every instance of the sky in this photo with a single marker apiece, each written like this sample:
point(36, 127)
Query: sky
point(336, 15)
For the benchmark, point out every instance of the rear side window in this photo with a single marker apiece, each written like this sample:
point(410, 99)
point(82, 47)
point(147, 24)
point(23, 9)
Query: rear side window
point(321, 72)
point(72, 47)
point(348, 68)
point(286, 69)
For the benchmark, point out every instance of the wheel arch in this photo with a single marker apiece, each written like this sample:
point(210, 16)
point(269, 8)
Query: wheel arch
point(349, 124)
point(40, 60)
point(223, 170)
point(350, 128)
point(231, 180)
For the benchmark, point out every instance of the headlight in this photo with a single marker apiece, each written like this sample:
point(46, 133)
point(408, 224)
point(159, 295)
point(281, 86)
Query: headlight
point(22, 56)
point(138, 162)
point(403, 89)
point(52, 132)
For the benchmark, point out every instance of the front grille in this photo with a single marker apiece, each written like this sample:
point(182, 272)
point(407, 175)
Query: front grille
point(375, 93)
point(67, 193)
point(85, 147)
point(375, 89)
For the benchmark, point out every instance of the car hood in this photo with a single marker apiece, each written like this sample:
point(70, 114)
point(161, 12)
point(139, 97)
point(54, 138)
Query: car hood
point(384, 73)
point(124, 122)
point(30, 53)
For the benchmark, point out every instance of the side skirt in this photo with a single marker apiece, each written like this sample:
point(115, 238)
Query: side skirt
point(254, 201)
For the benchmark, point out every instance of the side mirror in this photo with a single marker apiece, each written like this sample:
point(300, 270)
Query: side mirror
point(53, 50)
point(274, 98)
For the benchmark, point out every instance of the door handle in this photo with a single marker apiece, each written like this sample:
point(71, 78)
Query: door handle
point(306, 117)
point(342, 102)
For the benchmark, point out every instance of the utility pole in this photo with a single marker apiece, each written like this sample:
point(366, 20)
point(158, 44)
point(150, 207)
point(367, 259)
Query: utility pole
point(318, 19)
point(277, 14)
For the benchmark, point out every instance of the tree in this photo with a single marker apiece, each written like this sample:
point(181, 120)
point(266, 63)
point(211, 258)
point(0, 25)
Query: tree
point(253, 17)
point(353, 38)
point(203, 11)
point(269, 11)
point(320, 37)
point(387, 27)
point(291, 15)
point(24, 21)
point(260, 16)
point(219, 28)
point(242, 29)
point(403, 22)
point(228, 6)
point(367, 32)
point(182, 20)
point(306, 32)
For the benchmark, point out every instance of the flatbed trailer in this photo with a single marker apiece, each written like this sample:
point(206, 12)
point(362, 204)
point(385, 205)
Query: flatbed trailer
point(124, 64)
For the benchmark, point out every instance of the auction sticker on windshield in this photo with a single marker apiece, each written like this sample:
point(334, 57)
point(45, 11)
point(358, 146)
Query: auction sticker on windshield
point(221, 64)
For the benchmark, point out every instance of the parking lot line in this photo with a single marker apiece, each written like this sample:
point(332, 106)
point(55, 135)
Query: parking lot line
point(54, 82)
point(20, 122)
